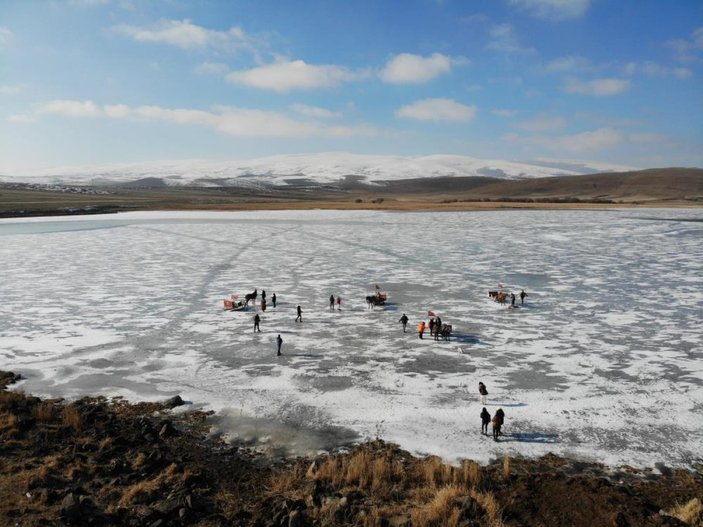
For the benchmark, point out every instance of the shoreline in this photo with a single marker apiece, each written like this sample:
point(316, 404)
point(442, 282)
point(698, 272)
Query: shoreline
point(386, 206)
point(100, 462)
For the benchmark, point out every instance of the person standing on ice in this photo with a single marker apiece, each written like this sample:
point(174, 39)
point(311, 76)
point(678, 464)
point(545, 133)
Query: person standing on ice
point(339, 303)
point(432, 324)
point(482, 390)
point(263, 304)
point(522, 296)
point(263, 294)
point(299, 318)
point(273, 299)
point(332, 302)
point(257, 319)
point(498, 420)
point(485, 419)
point(279, 341)
point(404, 320)
point(512, 299)
point(421, 328)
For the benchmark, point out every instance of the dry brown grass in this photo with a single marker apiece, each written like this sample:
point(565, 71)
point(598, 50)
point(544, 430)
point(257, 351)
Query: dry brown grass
point(691, 513)
point(434, 472)
point(506, 468)
point(469, 474)
point(145, 490)
point(44, 412)
point(8, 422)
point(287, 482)
point(9, 399)
point(440, 511)
point(71, 418)
point(138, 461)
point(489, 503)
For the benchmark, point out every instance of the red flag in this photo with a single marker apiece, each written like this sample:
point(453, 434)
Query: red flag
point(431, 314)
point(235, 297)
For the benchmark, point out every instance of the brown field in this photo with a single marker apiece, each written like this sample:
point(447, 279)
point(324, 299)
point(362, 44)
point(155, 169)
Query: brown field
point(652, 188)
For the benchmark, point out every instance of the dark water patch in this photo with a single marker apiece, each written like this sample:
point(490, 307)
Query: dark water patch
point(327, 383)
point(537, 376)
point(433, 363)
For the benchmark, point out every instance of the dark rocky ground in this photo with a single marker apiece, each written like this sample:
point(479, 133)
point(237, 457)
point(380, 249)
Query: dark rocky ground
point(108, 462)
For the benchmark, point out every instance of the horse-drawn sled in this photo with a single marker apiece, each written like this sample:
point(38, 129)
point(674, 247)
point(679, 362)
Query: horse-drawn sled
point(234, 304)
point(379, 299)
point(499, 296)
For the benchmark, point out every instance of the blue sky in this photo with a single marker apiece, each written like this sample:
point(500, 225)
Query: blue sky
point(103, 81)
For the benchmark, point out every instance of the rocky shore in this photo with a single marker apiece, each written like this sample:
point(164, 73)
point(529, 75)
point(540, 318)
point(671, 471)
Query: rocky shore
point(108, 462)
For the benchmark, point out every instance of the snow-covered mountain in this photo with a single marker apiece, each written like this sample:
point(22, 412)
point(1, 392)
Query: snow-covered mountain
point(323, 168)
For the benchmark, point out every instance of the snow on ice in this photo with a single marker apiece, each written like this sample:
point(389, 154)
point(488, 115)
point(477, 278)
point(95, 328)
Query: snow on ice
point(603, 362)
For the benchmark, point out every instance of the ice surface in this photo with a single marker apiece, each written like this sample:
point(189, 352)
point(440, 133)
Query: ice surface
point(603, 362)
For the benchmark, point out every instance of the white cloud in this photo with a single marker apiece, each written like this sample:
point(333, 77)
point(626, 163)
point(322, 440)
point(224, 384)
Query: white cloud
point(437, 110)
point(407, 68)
point(186, 35)
point(10, 89)
point(597, 87)
point(653, 69)
point(294, 75)
point(554, 9)
point(685, 49)
point(314, 111)
point(542, 124)
point(21, 118)
point(5, 36)
point(70, 108)
point(502, 112)
point(211, 68)
point(595, 140)
point(229, 120)
point(504, 38)
point(569, 63)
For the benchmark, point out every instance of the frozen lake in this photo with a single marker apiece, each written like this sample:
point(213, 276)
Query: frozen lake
point(603, 362)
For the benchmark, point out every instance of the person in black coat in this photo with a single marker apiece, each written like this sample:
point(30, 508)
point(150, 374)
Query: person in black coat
point(257, 319)
point(485, 419)
point(279, 341)
point(332, 302)
point(404, 320)
point(299, 318)
point(273, 299)
point(483, 391)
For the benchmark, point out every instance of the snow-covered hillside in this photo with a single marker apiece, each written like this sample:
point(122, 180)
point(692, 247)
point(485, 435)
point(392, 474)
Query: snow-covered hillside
point(315, 168)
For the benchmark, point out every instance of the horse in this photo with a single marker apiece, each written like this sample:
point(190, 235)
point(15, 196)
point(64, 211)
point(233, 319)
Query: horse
point(445, 331)
point(251, 297)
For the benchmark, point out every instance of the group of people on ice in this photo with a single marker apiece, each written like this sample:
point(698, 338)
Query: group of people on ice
point(502, 297)
point(498, 419)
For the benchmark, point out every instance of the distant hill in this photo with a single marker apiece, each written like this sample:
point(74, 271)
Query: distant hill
point(332, 168)
point(651, 184)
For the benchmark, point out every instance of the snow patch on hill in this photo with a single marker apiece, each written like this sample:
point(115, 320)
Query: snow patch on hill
point(323, 168)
